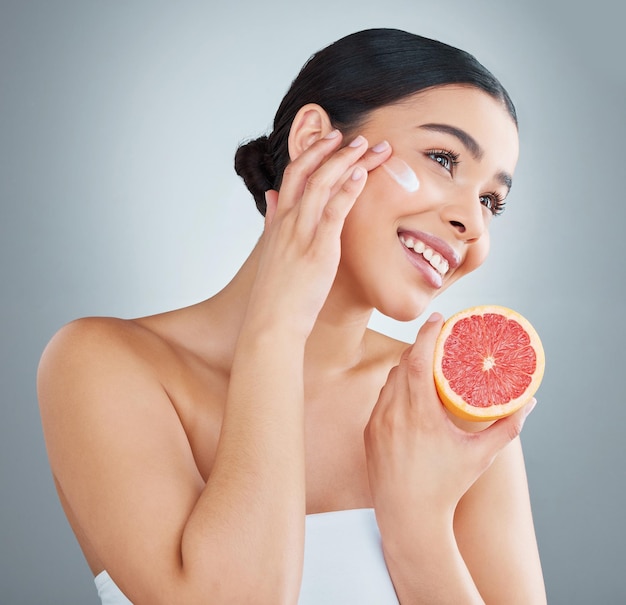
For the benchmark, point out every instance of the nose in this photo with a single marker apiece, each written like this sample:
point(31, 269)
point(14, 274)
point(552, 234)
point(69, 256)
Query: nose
point(466, 216)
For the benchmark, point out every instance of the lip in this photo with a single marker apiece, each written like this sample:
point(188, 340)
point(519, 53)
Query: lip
point(432, 277)
point(437, 244)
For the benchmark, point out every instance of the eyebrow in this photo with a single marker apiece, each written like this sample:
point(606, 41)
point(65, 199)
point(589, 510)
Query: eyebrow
point(470, 143)
point(504, 178)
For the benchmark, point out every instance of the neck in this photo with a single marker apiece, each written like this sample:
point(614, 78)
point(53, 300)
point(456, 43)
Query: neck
point(336, 343)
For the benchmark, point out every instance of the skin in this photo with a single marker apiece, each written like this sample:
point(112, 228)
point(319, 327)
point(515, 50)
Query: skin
point(199, 439)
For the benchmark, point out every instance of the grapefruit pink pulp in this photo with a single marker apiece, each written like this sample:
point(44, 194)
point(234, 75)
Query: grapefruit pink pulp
point(488, 363)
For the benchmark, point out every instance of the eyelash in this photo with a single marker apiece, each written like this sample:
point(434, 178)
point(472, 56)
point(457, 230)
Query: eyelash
point(450, 156)
point(497, 203)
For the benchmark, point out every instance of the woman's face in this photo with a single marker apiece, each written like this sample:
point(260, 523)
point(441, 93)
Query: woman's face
point(462, 146)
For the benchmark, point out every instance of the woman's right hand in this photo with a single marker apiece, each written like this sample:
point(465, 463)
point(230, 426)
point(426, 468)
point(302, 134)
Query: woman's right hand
point(254, 503)
point(300, 248)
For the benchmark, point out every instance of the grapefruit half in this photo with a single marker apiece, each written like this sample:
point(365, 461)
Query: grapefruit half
point(489, 363)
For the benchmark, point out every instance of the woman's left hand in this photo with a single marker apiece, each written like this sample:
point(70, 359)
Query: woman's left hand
point(420, 464)
point(418, 459)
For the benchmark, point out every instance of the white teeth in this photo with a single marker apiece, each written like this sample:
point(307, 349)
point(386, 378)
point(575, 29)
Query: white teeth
point(436, 261)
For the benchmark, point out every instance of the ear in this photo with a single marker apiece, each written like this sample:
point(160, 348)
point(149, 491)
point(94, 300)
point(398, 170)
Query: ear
point(310, 124)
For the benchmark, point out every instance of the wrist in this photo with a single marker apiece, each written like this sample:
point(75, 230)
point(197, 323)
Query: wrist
point(406, 537)
point(276, 351)
point(426, 565)
point(275, 324)
point(270, 334)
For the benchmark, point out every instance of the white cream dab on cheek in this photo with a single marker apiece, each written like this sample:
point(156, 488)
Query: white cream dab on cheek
point(402, 174)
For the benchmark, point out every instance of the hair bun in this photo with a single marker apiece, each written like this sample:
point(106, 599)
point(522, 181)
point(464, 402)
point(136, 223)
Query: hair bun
point(254, 164)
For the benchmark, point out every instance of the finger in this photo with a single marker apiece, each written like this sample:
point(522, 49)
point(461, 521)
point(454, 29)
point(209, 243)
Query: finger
point(376, 155)
point(385, 398)
point(371, 159)
point(419, 362)
point(388, 390)
point(404, 364)
point(328, 231)
point(503, 431)
point(299, 170)
point(338, 168)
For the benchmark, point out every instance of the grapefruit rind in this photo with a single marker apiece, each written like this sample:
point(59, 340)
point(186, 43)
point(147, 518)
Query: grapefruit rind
point(457, 404)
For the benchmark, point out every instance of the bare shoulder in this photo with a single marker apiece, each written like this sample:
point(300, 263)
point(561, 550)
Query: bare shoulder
point(97, 335)
point(117, 364)
point(117, 441)
point(89, 367)
point(87, 348)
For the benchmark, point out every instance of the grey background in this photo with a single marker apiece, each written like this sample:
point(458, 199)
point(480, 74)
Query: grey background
point(118, 125)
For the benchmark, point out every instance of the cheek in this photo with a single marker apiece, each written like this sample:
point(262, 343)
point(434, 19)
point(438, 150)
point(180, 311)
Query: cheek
point(479, 252)
point(402, 174)
point(380, 203)
point(475, 257)
point(392, 190)
point(369, 231)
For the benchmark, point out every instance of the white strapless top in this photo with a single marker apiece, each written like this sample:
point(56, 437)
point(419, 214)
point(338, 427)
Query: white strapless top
point(343, 563)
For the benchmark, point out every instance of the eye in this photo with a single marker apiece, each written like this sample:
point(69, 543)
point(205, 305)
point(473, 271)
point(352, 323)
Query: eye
point(445, 158)
point(493, 202)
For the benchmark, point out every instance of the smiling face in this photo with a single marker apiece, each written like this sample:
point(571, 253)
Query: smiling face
point(403, 246)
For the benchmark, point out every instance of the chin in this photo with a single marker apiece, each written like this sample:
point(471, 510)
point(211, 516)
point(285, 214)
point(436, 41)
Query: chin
point(404, 310)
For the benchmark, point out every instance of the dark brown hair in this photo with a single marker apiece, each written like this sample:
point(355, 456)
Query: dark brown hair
point(352, 77)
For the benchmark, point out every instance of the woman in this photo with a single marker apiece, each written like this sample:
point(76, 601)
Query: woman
point(194, 451)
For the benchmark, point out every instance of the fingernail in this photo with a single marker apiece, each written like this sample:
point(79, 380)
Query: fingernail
point(333, 134)
point(358, 173)
point(380, 147)
point(435, 317)
point(357, 142)
point(531, 406)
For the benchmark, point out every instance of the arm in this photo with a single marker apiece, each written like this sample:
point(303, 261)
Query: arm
point(125, 467)
point(494, 530)
point(420, 466)
point(248, 524)
point(118, 449)
point(486, 554)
